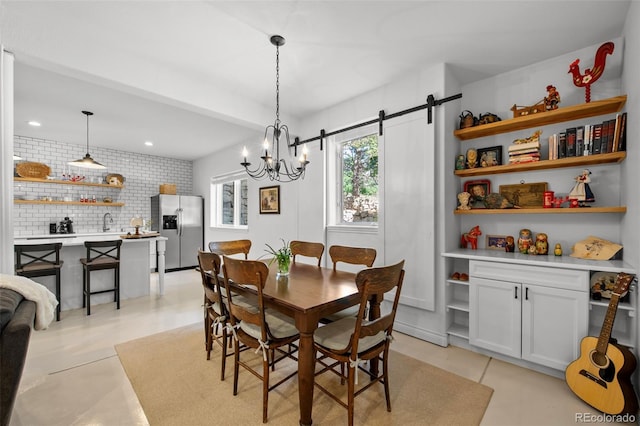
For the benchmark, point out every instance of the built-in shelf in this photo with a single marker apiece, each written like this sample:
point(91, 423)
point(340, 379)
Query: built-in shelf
point(67, 182)
point(459, 331)
point(458, 305)
point(577, 210)
point(588, 160)
point(621, 306)
point(69, 203)
point(591, 109)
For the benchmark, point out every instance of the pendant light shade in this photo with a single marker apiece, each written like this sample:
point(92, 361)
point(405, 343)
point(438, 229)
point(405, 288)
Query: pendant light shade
point(87, 162)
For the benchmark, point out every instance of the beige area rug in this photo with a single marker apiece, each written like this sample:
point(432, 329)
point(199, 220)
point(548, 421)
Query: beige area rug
point(176, 385)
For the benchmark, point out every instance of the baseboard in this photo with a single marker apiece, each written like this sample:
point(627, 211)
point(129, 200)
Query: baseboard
point(418, 333)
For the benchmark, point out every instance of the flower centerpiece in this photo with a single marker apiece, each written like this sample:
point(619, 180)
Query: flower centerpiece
point(282, 256)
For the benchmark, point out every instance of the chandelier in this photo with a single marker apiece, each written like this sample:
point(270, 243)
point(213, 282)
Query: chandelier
point(272, 166)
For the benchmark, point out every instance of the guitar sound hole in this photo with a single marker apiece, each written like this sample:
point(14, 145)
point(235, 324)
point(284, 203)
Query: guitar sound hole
point(599, 360)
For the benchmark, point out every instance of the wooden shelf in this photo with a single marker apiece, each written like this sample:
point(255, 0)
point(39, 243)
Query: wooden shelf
point(578, 210)
point(71, 203)
point(589, 160)
point(67, 182)
point(591, 109)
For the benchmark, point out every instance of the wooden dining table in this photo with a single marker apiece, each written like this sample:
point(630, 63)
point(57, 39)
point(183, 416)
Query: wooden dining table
point(308, 294)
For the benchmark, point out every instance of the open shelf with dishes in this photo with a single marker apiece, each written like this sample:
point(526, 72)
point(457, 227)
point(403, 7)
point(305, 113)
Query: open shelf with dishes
point(71, 203)
point(67, 182)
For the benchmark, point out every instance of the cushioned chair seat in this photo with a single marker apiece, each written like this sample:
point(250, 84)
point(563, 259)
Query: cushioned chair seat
point(337, 335)
point(345, 313)
point(281, 326)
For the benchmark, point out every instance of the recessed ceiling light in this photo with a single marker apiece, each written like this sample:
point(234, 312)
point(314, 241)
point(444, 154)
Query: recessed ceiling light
point(34, 123)
point(148, 143)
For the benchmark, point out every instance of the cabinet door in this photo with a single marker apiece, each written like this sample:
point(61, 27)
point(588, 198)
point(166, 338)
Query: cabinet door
point(553, 323)
point(494, 315)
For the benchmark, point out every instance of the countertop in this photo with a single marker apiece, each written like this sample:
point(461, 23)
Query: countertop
point(78, 239)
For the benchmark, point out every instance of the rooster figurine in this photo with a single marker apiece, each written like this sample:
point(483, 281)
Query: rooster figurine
point(591, 75)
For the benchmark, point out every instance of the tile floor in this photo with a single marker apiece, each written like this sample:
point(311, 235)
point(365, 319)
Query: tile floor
point(73, 375)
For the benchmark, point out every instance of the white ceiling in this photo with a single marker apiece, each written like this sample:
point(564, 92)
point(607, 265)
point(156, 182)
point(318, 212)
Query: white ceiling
point(197, 76)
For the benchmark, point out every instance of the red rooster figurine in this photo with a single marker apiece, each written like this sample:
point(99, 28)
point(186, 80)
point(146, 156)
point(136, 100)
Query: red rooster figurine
point(591, 75)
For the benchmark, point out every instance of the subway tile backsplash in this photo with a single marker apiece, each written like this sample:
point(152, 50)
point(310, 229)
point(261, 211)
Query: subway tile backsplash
point(143, 175)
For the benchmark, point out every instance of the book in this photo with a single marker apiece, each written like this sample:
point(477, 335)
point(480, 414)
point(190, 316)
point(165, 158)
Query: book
point(587, 140)
point(616, 134)
point(596, 139)
point(525, 145)
point(524, 151)
point(571, 142)
point(610, 134)
point(580, 141)
point(524, 160)
point(622, 143)
point(562, 145)
point(553, 147)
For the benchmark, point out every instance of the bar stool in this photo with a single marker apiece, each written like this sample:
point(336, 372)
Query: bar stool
point(100, 255)
point(39, 260)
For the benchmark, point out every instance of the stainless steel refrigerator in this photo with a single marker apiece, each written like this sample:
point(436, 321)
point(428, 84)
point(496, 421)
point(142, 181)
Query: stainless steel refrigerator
point(180, 218)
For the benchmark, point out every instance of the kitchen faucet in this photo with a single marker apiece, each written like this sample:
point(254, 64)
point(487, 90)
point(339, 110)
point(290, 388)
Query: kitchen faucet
point(105, 228)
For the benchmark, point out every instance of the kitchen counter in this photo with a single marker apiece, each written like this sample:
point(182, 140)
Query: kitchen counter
point(135, 275)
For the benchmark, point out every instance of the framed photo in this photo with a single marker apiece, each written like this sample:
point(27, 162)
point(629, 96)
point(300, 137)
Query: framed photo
point(497, 242)
point(525, 195)
point(270, 200)
point(491, 156)
point(478, 189)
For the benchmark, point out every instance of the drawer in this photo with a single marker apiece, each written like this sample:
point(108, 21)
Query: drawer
point(569, 279)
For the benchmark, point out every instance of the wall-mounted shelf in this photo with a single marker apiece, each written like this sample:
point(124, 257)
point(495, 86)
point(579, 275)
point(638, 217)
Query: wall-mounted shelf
point(577, 210)
point(591, 109)
point(67, 182)
point(588, 160)
point(71, 203)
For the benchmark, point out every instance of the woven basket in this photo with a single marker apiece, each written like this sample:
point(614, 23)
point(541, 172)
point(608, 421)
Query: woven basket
point(29, 169)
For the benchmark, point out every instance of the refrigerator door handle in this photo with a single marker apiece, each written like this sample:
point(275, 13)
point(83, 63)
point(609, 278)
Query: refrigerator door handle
point(180, 222)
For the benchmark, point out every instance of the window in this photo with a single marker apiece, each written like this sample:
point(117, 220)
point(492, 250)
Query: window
point(357, 181)
point(229, 203)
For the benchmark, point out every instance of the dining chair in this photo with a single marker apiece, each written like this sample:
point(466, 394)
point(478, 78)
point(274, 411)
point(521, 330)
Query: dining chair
point(228, 248)
point(101, 255)
point(39, 260)
point(304, 248)
point(354, 256)
point(257, 327)
point(353, 340)
point(215, 310)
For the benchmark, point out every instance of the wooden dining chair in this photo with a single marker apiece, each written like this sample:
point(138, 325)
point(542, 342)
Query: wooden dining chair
point(215, 310)
point(228, 248)
point(352, 340)
point(257, 327)
point(352, 255)
point(304, 248)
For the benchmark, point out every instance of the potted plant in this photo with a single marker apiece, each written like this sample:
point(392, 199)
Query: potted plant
point(282, 256)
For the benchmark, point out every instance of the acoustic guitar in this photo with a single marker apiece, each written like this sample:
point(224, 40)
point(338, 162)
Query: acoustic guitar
point(600, 376)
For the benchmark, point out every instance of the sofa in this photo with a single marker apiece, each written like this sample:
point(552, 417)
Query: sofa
point(17, 316)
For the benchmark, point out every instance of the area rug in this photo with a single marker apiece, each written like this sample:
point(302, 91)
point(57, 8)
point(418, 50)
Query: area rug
point(176, 385)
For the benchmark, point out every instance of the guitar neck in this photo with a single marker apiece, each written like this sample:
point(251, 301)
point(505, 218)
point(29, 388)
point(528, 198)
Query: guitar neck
point(607, 325)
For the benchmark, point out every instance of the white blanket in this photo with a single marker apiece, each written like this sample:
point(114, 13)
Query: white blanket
point(46, 302)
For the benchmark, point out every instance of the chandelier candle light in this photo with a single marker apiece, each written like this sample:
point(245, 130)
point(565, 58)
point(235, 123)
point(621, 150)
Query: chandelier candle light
point(272, 166)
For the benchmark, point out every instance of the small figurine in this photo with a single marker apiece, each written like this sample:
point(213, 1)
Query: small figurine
point(581, 190)
point(511, 245)
point(558, 250)
point(591, 75)
point(552, 99)
point(478, 195)
point(460, 162)
point(471, 238)
point(532, 249)
point(472, 158)
point(542, 246)
point(524, 241)
point(463, 199)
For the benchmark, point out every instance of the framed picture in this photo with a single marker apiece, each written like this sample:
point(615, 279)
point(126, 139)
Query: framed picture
point(270, 200)
point(478, 189)
point(524, 195)
point(497, 242)
point(491, 156)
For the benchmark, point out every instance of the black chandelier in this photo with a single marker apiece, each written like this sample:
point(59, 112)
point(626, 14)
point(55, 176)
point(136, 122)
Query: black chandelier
point(272, 166)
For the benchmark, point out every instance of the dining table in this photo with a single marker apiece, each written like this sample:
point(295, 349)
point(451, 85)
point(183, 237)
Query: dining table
point(308, 294)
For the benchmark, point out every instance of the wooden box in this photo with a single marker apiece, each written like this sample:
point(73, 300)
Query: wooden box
point(527, 110)
point(168, 188)
point(524, 195)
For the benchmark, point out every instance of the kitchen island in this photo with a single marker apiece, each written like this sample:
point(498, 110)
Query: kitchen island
point(135, 269)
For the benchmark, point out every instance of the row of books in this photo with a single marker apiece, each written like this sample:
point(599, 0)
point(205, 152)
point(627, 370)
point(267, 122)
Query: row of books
point(601, 138)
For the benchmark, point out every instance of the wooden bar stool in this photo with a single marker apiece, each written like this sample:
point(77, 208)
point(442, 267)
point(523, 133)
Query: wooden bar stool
point(39, 260)
point(100, 255)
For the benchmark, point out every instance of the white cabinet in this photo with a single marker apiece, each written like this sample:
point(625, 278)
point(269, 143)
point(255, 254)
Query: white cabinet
point(534, 313)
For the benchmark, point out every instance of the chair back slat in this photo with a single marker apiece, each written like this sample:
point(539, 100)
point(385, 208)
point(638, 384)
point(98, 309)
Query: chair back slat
point(305, 248)
point(228, 248)
point(103, 250)
point(43, 255)
point(209, 265)
point(352, 255)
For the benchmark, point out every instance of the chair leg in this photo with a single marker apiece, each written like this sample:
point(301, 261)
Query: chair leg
point(351, 378)
point(84, 287)
point(265, 386)
point(236, 365)
point(88, 275)
point(224, 352)
point(209, 337)
point(385, 374)
point(117, 296)
point(58, 294)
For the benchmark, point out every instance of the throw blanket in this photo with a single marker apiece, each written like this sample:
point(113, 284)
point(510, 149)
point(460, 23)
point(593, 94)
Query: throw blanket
point(45, 300)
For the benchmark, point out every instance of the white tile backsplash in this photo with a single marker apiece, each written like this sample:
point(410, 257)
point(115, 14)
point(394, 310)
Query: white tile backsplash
point(143, 176)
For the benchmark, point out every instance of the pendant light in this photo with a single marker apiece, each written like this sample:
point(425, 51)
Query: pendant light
point(87, 162)
point(271, 165)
